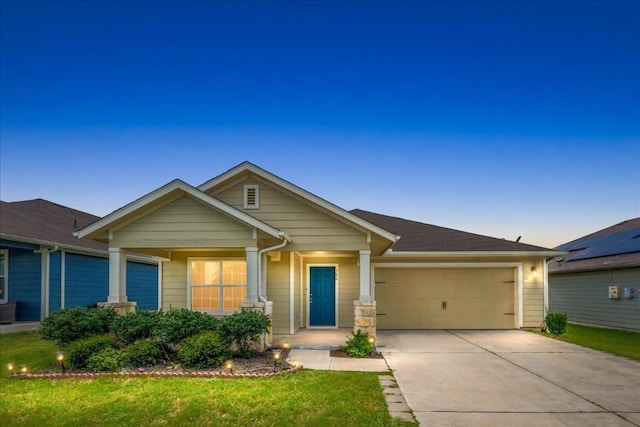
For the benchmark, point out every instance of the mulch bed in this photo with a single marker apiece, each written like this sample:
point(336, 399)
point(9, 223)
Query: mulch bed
point(261, 365)
point(341, 353)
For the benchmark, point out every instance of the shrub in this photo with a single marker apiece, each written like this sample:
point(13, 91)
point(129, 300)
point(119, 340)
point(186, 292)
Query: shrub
point(243, 329)
point(145, 353)
point(556, 323)
point(177, 324)
point(79, 352)
point(107, 360)
point(205, 350)
point(135, 326)
point(71, 324)
point(358, 345)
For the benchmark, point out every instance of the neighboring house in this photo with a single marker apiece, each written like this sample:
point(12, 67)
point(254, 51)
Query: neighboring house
point(248, 238)
point(579, 283)
point(44, 267)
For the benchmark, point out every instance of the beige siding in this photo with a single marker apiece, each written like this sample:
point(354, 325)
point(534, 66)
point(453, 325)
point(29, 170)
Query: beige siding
point(310, 228)
point(184, 223)
point(278, 291)
point(348, 276)
point(533, 294)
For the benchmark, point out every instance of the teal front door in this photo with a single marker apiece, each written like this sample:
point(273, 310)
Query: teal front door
point(322, 296)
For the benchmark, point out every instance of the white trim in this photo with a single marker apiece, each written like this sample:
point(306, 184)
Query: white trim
point(517, 265)
point(63, 278)
point(160, 266)
point(302, 298)
point(308, 298)
point(300, 192)
point(292, 284)
point(5, 275)
point(44, 282)
point(545, 285)
point(470, 254)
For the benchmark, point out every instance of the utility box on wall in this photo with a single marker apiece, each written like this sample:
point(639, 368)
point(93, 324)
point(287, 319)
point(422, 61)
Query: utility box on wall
point(628, 292)
point(614, 292)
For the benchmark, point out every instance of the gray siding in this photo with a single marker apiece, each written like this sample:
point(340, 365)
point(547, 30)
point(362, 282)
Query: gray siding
point(585, 297)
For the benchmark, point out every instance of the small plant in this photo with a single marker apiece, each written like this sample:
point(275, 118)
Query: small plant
point(135, 326)
point(71, 324)
point(205, 350)
point(358, 345)
point(244, 329)
point(556, 323)
point(79, 352)
point(145, 353)
point(177, 324)
point(107, 360)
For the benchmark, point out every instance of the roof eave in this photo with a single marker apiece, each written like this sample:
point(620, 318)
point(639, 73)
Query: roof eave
point(470, 254)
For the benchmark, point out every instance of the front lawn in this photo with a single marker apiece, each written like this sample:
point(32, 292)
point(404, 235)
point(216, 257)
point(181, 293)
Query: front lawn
point(309, 398)
point(615, 341)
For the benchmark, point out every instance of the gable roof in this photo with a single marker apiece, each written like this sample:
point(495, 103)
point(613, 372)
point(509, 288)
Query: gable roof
point(421, 237)
point(40, 221)
point(617, 246)
point(250, 168)
point(174, 188)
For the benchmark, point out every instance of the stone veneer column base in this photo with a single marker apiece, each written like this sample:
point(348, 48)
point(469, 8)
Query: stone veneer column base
point(258, 307)
point(364, 317)
point(121, 308)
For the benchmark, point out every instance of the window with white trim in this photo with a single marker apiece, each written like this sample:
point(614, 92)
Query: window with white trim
point(4, 276)
point(251, 197)
point(217, 286)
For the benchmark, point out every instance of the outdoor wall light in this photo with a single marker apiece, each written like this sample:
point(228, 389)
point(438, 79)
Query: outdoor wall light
point(229, 365)
point(534, 272)
point(60, 360)
point(276, 357)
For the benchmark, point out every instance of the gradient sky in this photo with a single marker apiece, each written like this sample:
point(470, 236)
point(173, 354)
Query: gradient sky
point(503, 118)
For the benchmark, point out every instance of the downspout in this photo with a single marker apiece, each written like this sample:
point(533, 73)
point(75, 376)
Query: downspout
point(285, 240)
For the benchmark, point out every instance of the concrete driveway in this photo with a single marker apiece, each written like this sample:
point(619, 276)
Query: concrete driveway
point(510, 378)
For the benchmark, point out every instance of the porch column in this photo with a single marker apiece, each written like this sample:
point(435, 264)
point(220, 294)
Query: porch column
point(117, 275)
point(365, 276)
point(252, 274)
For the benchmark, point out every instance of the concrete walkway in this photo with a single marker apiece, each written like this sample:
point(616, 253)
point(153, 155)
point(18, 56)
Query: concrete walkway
point(510, 378)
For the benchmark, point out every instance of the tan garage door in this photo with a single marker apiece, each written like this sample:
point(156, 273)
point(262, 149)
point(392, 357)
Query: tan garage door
point(445, 298)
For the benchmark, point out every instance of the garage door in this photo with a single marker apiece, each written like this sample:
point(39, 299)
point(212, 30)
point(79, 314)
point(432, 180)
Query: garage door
point(445, 298)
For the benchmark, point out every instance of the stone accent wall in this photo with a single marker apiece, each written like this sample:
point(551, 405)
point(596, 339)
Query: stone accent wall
point(258, 306)
point(364, 317)
point(121, 308)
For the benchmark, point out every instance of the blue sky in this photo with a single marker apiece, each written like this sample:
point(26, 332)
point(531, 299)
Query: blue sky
point(503, 118)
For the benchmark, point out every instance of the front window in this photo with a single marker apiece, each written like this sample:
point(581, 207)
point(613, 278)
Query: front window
point(217, 285)
point(4, 269)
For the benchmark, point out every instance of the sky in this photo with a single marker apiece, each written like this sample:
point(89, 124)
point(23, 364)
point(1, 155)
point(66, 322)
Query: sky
point(502, 118)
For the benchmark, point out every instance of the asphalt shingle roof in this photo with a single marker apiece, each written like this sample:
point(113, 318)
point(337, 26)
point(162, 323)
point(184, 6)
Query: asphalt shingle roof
point(42, 220)
point(421, 237)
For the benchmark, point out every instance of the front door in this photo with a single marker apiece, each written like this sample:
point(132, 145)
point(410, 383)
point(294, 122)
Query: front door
point(322, 296)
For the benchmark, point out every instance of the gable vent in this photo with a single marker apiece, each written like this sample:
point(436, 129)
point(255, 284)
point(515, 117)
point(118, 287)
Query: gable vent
point(251, 197)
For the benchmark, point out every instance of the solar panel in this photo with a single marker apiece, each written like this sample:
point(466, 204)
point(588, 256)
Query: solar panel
point(622, 242)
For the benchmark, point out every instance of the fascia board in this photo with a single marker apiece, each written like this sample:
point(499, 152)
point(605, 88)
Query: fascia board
point(104, 224)
point(469, 254)
point(300, 192)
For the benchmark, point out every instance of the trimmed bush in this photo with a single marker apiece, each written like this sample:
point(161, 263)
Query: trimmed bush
point(107, 360)
point(177, 324)
point(205, 350)
point(556, 323)
point(244, 329)
point(145, 353)
point(71, 324)
point(135, 326)
point(79, 352)
point(358, 345)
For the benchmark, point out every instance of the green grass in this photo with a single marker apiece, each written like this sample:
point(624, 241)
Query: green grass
point(309, 398)
point(615, 341)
